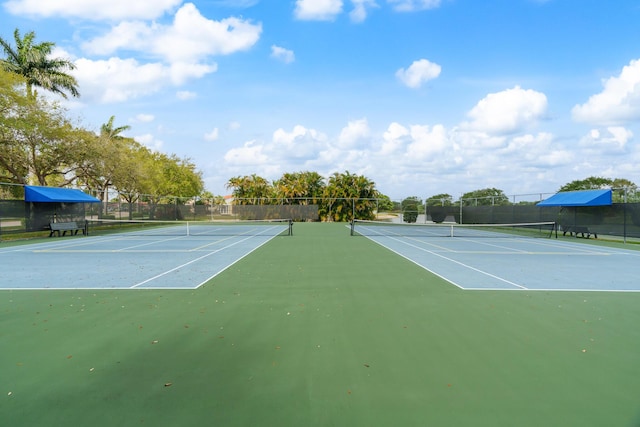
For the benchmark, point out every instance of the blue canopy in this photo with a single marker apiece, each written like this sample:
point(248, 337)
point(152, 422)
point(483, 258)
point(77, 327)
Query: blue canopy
point(579, 198)
point(34, 193)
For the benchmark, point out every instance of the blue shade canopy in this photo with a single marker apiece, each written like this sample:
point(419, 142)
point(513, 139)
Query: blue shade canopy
point(56, 195)
point(579, 198)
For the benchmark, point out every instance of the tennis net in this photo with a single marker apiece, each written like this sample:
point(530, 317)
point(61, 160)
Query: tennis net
point(380, 228)
point(271, 227)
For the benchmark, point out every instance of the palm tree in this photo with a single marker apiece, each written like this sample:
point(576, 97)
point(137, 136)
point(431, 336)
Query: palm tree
point(348, 196)
point(299, 188)
point(33, 63)
point(108, 131)
point(250, 190)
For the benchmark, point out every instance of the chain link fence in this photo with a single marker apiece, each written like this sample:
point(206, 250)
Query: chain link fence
point(621, 219)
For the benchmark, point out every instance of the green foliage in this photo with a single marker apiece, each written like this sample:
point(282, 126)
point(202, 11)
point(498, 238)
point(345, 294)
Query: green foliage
point(443, 199)
point(38, 143)
point(385, 204)
point(348, 196)
point(250, 190)
point(590, 183)
point(620, 186)
point(34, 63)
point(299, 187)
point(410, 209)
point(345, 194)
point(485, 197)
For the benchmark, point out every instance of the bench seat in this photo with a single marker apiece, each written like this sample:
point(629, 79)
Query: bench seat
point(72, 227)
point(578, 229)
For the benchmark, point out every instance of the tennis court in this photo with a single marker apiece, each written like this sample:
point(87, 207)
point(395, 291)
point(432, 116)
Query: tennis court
point(315, 329)
point(136, 255)
point(516, 257)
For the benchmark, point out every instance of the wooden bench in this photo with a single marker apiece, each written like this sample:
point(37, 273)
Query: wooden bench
point(72, 227)
point(578, 229)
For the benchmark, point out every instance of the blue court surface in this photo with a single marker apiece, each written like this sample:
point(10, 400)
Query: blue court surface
point(495, 263)
point(125, 261)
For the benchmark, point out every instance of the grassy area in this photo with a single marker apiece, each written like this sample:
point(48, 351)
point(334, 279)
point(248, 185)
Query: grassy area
point(320, 329)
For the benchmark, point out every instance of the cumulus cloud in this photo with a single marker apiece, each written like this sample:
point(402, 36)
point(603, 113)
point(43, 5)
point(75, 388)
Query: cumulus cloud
point(419, 72)
point(505, 112)
point(300, 143)
point(129, 79)
point(251, 153)
point(426, 141)
point(614, 138)
point(97, 10)
point(359, 11)
point(182, 50)
point(355, 131)
point(394, 138)
point(189, 39)
point(619, 101)
point(212, 136)
point(317, 10)
point(280, 53)
point(144, 118)
point(185, 95)
point(413, 5)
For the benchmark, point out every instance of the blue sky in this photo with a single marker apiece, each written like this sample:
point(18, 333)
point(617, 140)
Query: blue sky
point(421, 96)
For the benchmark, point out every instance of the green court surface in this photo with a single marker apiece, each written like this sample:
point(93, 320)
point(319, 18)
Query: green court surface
point(319, 329)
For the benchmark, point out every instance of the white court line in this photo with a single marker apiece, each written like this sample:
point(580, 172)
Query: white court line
point(575, 246)
point(201, 258)
point(448, 259)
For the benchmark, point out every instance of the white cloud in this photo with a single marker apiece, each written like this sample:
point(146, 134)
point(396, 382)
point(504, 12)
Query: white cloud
point(619, 101)
point(317, 10)
point(355, 131)
point(359, 12)
point(181, 72)
point(185, 95)
point(126, 79)
point(539, 151)
point(412, 5)
point(251, 153)
point(234, 125)
point(144, 118)
point(394, 138)
point(300, 143)
point(212, 136)
point(150, 142)
point(426, 142)
point(189, 39)
point(614, 139)
point(285, 55)
point(508, 111)
point(92, 9)
point(419, 72)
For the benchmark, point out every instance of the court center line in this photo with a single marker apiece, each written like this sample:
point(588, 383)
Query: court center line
point(455, 262)
point(188, 263)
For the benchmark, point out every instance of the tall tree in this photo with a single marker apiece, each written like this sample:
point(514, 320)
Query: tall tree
point(622, 188)
point(250, 190)
point(485, 197)
point(40, 144)
point(12, 104)
point(347, 195)
point(590, 183)
point(113, 133)
point(299, 187)
point(33, 62)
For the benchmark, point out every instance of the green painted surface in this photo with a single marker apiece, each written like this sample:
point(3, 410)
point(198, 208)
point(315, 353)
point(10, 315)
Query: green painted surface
point(319, 329)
